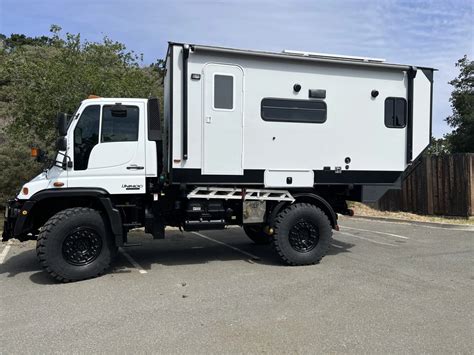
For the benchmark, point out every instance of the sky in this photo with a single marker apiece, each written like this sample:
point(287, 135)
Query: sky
point(417, 32)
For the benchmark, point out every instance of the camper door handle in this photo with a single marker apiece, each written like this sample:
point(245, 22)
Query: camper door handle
point(208, 119)
point(135, 167)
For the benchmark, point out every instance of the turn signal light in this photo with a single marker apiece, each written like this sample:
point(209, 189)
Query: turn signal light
point(34, 152)
point(25, 191)
point(58, 184)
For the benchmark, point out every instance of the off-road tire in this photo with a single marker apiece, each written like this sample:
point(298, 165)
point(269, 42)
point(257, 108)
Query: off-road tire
point(257, 235)
point(293, 217)
point(54, 255)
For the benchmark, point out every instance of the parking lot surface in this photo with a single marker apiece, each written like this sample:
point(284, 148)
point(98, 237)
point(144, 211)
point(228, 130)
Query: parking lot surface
point(383, 287)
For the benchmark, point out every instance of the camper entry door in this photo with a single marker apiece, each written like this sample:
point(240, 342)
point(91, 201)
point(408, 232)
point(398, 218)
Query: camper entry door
point(222, 120)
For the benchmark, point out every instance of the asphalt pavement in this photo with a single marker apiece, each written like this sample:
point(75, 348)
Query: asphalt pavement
point(383, 287)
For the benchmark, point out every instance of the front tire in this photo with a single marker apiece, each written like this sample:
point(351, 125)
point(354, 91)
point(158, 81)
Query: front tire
point(302, 234)
point(75, 245)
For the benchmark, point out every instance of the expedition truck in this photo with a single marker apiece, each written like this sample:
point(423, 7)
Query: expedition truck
point(273, 142)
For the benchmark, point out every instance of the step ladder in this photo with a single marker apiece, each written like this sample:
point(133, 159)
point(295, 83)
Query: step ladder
point(226, 193)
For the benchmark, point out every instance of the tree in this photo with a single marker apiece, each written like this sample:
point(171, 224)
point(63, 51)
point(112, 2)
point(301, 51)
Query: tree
point(42, 76)
point(439, 146)
point(461, 139)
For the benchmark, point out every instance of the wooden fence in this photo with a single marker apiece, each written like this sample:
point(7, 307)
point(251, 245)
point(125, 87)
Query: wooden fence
point(437, 185)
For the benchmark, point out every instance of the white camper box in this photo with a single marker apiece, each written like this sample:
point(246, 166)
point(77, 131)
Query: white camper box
point(292, 119)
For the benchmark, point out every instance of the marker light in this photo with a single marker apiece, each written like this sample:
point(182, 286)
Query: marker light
point(58, 184)
point(25, 191)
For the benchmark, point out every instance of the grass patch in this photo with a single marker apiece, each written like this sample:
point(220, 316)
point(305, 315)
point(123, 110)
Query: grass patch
point(361, 209)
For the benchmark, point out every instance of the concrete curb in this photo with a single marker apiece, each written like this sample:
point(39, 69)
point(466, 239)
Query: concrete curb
point(429, 224)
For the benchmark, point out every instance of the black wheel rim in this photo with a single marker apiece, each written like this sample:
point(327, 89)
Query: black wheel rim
point(82, 246)
point(303, 236)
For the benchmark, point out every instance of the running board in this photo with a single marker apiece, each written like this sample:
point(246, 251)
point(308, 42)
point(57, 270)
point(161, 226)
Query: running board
point(225, 193)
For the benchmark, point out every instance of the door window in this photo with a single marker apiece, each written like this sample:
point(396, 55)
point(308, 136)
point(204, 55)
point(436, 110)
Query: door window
point(223, 92)
point(119, 124)
point(86, 136)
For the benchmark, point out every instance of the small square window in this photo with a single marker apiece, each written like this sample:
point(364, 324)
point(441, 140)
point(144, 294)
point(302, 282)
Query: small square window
point(223, 92)
point(395, 112)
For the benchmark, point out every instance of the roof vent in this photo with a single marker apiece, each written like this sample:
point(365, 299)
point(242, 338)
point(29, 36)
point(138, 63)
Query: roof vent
point(333, 56)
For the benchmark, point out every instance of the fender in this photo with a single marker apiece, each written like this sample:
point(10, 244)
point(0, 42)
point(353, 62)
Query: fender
point(100, 195)
point(314, 199)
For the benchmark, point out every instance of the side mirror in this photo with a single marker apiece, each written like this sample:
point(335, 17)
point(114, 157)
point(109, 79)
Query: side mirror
point(61, 124)
point(61, 143)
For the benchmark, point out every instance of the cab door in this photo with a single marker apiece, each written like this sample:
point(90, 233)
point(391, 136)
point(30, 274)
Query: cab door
point(108, 148)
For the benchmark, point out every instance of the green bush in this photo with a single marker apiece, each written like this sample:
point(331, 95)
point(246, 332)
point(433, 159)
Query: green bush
point(16, 166)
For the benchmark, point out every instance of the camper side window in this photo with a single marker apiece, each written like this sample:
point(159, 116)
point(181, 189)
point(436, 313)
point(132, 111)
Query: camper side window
point(223, 92)
point(395, 112)
point(288, 110)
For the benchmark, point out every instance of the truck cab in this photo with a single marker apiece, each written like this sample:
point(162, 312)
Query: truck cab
point(106, 147)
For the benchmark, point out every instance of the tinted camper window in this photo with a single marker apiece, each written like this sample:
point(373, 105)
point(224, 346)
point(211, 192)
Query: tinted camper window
point(223, 92)
point(395, 112)
point(287, 110)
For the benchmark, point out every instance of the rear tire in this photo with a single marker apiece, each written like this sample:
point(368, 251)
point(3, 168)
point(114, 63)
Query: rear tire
point(302, 234)
point(257, 234)
point(75, 245)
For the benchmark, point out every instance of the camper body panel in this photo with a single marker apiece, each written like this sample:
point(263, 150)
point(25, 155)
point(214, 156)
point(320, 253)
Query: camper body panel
point(176, 103)
point(167, 103)
point(422, 110)
point(354, 128)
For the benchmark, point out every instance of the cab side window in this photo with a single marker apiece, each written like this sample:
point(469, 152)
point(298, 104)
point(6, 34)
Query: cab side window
point(86, 136)
point(119, 124)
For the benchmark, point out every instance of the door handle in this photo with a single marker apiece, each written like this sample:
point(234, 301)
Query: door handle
point(135, 167)
point(208, 119)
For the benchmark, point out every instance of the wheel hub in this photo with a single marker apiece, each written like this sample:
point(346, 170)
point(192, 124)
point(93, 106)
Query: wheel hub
point(82, 246)
point(303, 236)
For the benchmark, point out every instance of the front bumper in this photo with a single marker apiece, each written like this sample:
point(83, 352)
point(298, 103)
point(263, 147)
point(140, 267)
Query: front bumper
point(13, 210)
